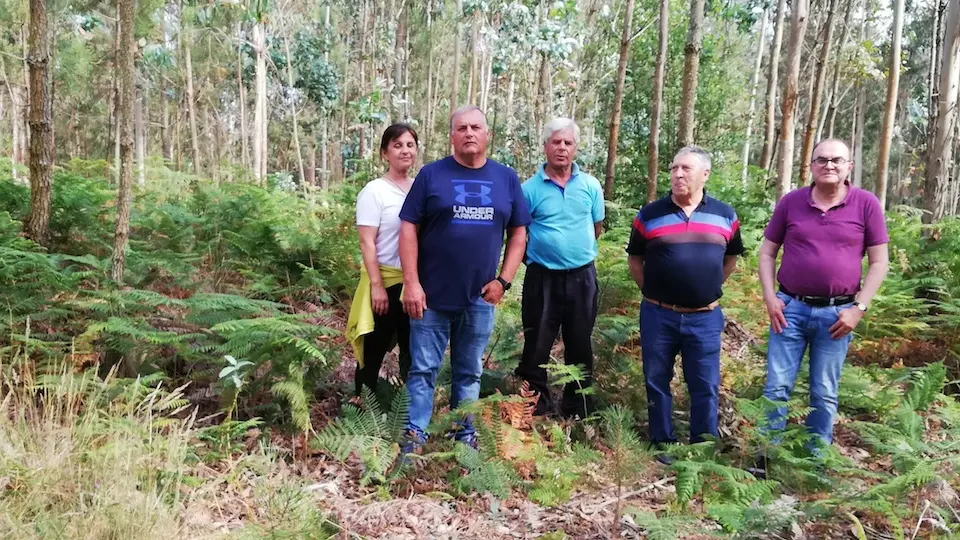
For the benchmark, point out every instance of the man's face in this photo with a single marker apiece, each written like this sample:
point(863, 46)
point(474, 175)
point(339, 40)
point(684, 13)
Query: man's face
point(687, 175)
point(470, 134)
point(561, 149)
point(831, 163)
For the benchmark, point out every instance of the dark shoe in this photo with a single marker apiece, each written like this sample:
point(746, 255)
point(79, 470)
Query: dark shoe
point(666, 459)
point(411, 443)
point(469, 440)
point(759, 469)
point(661, 452)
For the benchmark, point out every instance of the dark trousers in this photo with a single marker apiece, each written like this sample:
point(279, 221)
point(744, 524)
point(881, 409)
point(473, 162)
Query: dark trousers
point(393, 327)
point(696, 337)
point(555, 301)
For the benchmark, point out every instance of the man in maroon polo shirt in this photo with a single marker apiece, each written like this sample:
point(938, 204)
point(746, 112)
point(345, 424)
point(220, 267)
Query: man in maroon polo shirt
point(825, 230)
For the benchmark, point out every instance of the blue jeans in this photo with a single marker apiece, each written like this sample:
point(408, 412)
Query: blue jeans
point(467, 332)
point(696, 336)
point(806, 325)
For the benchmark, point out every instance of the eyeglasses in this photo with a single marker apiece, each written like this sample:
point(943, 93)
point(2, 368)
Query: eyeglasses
point(838, 161)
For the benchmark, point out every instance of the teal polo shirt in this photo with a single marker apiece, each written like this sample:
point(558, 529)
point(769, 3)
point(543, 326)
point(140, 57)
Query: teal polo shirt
point(561, 235)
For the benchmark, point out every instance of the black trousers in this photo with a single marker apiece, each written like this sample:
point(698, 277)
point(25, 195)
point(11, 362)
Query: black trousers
point(557, 301)
point(391, 328)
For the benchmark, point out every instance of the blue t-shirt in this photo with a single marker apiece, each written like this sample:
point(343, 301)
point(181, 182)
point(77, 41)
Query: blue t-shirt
point(562, 235)
point(463, 214)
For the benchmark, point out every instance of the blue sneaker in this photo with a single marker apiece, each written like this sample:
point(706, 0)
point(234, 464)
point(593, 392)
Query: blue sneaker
point(411, 443)
point(469, 440)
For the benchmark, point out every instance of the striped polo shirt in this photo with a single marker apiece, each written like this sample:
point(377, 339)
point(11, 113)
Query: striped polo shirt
point(683, 257)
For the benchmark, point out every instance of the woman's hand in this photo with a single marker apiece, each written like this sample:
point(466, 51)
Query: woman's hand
point(379, 299)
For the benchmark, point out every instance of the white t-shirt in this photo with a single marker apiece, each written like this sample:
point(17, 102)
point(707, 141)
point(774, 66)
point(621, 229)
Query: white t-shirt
point(378, 205)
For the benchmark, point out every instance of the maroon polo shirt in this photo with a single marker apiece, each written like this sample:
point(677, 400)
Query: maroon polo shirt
point(823, 251)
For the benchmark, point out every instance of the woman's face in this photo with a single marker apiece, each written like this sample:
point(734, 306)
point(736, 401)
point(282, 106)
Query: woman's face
point(401, 152)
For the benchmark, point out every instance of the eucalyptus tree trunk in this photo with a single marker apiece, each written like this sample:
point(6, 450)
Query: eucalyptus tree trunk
point(798, 27)
point(691, 68)
point(745, 158)
point(940, 148)
point(770, 118)
point(126, 120)
point(890, 107)
point(816, 94)
point(618, 100)
point(656, 108)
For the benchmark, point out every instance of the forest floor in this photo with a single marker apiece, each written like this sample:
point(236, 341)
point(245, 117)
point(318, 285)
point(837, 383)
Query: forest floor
point(419, 506)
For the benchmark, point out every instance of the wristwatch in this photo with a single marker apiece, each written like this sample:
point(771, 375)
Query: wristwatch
point(861, 306)
point(506, 284)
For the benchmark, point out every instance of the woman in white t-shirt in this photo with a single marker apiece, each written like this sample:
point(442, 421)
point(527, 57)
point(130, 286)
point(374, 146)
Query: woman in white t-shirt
point(378, 225)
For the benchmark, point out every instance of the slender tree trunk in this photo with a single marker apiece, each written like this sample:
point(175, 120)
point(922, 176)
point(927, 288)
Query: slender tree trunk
point(212, 147)
point(242, 97)
point(293, 111)
point(890, 108)
point(191, 104)
point(834, 100)
point(140, 132)
point(858, 127)
point(428, 132)
point(816, 95)
point(540, 104)
point(745, 158)
point(324, 163)
point(653, 145)
point(310, 172)
point(116, 101)
point(935, 65)
point(474, 81)
point(770, 118)
point(691, 68)
point(618, 100)
point(798, 27)
point(260, 108)
point(398, 60)
point(455, 84)
point(41, 124)
point(124, 192)
point(940, 149)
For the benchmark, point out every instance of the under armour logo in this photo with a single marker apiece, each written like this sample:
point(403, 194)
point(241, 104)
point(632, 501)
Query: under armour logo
point(482, 195)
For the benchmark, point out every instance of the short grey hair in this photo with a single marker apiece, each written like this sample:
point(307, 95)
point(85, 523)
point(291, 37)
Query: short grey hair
point(464, 109)
point(560, 124)
point(697, 151)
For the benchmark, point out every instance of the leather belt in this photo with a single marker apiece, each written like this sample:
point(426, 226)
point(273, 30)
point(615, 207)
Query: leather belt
point(680, 309)
point(820, 301)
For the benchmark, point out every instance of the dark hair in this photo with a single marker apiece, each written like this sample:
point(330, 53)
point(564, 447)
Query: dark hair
point(394, 132)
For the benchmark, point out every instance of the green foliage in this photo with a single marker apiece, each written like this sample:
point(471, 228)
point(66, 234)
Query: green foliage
point(370, 434)
point(656, 527)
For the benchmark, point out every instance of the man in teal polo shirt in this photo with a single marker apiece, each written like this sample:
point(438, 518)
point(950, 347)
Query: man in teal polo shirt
point(560, 286)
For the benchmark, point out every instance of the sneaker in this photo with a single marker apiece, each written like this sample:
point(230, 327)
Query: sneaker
point(759, 468)
point(411, 443)
point(660, 452)
point(469, 440)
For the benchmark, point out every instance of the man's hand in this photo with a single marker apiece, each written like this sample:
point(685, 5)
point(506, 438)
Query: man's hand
point(775, 310)
point(492, 292)
point(379, 299)
point(848, 320)
point(414, 300)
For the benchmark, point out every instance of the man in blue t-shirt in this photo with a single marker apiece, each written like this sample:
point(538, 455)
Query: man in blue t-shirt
point(451, 236)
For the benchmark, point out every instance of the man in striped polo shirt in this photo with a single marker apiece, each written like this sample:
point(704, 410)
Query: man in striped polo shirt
point(682, 248)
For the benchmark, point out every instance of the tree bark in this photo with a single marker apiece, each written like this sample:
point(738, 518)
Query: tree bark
point(940, 149)
point(457, 38)
point(816, 95)
point(618, 100)
point(191, 105)
point(770, 118)
point(474, 82)
point(41, 124)
point(293, 111)
point(656, 109)
point(124, 191)
point(798, 27)
point(429, 113)
point(691, 68)
point(859, 121)
point(140, 132)
point(745, 158)
point(260, 108)
point(890, 108)
point(242, 97)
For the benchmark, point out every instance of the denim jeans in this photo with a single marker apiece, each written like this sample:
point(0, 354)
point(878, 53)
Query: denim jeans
point(806, 325)
point(696, 336)
point(467, 331)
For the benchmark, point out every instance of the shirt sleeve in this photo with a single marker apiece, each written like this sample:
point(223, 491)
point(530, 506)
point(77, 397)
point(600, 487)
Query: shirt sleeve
point(735, 245)
point(415, 205)
point(638, 242)
point(520, 212)
point(598, 208)
point(875, 226)
point(777, 228)
point(369, 208)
